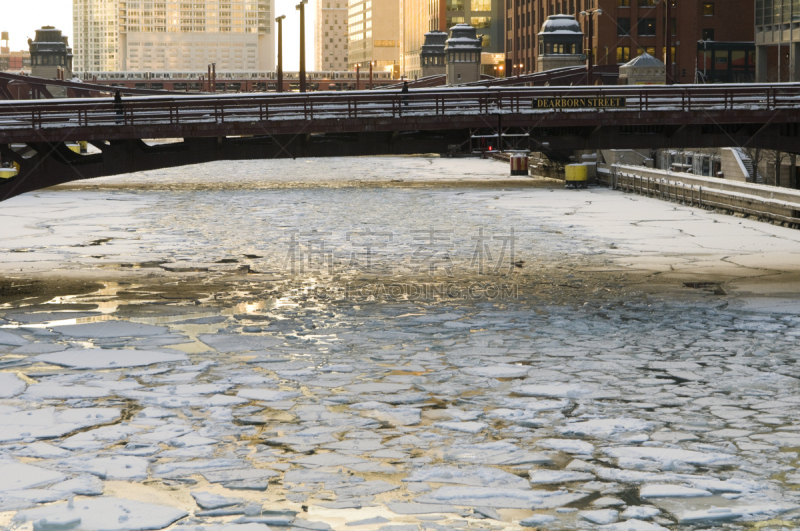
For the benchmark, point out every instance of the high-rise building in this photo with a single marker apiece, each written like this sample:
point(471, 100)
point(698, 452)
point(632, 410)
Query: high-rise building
point(421, 16)
point(416, 19)
point(159, 35)
point(330, 35)
point(373, 32)
point(628, 28)
point(95, 39)
point(777, 40)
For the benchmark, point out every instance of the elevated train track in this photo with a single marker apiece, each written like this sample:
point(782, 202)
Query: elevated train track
point(14, 86)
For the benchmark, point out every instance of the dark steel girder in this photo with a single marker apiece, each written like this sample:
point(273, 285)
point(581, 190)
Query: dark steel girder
point(54, 163)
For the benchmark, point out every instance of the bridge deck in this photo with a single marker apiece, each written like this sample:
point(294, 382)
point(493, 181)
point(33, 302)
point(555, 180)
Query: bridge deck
point(246, 126)
point(240, 114)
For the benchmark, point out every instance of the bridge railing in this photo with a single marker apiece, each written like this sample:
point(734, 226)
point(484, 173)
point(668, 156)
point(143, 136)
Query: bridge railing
point(178, 110)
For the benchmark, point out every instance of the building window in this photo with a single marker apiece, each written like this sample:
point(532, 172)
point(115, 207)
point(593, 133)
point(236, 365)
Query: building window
point(708, 9)
point(651, 50)
point(623, 3)
point(646, 27)
point(646, 3)
point(623, 26)
point(623, 54)
point(708, 34)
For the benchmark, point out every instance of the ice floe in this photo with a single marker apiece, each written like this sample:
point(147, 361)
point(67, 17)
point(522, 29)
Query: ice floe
point(101, 514)
point(108, 358)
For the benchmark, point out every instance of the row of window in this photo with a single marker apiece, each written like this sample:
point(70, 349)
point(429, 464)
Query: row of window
point(777, 11)
point(561, 6)
point(645, 27)
point(707, 7)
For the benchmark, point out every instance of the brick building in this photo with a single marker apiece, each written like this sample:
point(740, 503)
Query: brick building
point(626, 28)
point(14, 61)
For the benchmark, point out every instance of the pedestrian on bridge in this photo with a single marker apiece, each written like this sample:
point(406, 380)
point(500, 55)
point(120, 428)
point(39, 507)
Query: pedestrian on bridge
point(118, 107)
point(404, 91)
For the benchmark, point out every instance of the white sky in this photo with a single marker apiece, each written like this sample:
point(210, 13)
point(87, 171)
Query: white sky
point(21, 18)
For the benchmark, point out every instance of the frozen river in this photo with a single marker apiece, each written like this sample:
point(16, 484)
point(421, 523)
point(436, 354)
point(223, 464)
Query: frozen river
point(404, 343)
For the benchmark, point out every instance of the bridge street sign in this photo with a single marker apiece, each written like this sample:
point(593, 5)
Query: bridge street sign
point(578, 103)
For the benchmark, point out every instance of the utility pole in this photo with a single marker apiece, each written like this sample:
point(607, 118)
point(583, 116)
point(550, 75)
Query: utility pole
point(302, 8)
point(279, 20)
point(370, 75)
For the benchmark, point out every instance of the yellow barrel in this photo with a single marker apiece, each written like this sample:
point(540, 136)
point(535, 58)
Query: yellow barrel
point(7, 173)
point(576, 172)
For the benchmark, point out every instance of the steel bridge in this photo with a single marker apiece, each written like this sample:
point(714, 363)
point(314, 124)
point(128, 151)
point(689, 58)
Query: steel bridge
point(263, 126)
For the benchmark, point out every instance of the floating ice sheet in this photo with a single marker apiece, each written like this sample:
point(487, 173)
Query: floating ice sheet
point(47, 423)
point(470, 475)
point(239, 343)
point(500, 497)
point(109, 329)
point(18, 476)
point(103, 514)
point(10, 385)
point(109, 358)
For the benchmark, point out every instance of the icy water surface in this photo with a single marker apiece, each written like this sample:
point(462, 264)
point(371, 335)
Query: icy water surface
point(240, 348)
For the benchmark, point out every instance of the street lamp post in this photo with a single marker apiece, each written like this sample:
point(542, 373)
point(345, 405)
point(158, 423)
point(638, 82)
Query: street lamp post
point(668, 58)
point(279, 20)
point(590, 53)
point(370, 74)
point(302, 8)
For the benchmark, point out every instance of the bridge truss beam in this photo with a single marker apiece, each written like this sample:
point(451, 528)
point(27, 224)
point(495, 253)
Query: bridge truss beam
point(45, 164)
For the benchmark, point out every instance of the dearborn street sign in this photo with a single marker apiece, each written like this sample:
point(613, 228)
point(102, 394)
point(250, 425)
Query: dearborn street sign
point(577, 103)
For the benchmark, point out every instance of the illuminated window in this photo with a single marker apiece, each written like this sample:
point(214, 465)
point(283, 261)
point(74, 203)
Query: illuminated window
point(708, 9)
point(623, 54)
point(647, 27)
point(651, 50)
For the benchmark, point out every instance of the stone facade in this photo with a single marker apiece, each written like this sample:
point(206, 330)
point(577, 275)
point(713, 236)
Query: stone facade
point(560, 43)
point(463, 52)
point(51, 56)
point(643, 70)
point(432, 56)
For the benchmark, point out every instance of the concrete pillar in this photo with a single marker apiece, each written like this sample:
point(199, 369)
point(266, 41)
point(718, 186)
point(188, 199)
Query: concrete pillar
point(761, 64)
